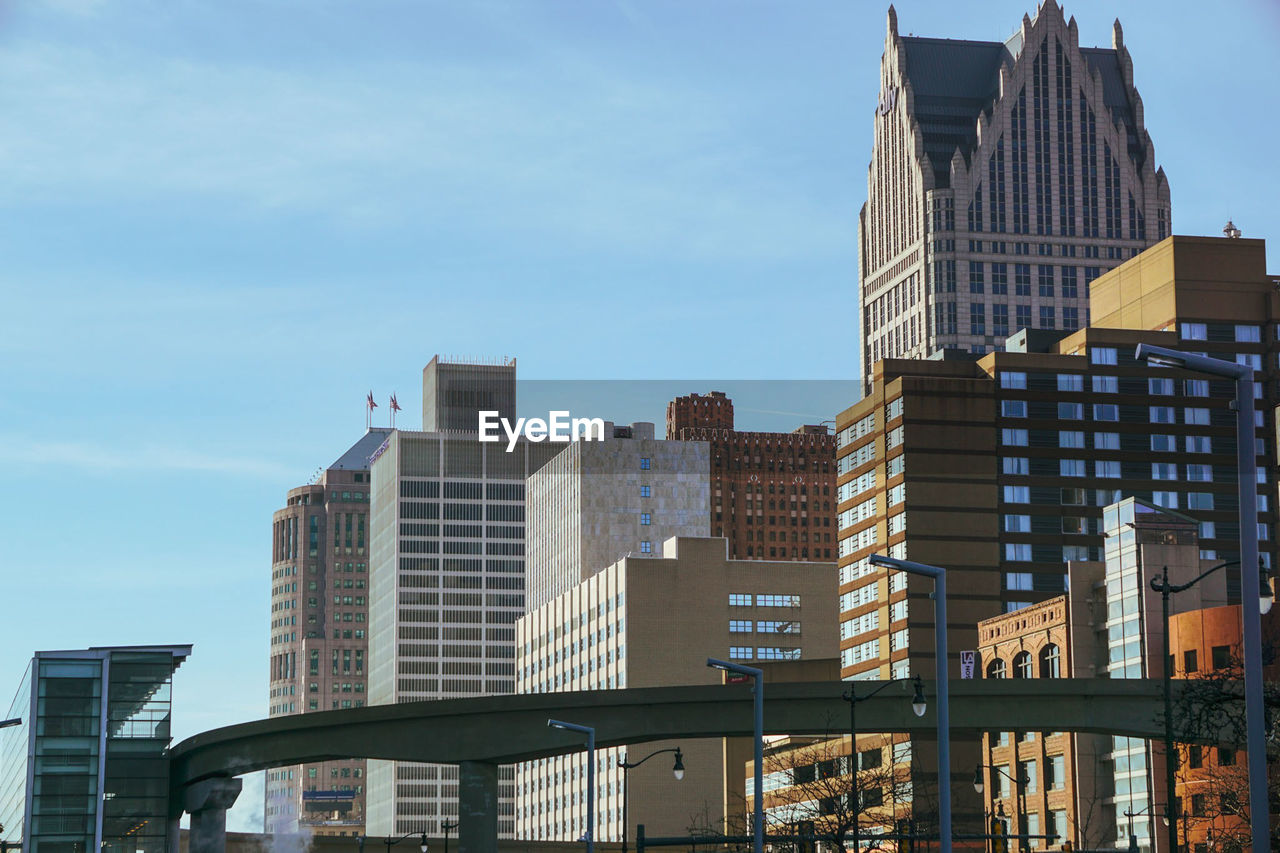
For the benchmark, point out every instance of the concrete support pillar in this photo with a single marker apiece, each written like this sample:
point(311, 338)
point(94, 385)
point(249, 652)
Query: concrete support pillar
point(208, 801)
point(477, 807)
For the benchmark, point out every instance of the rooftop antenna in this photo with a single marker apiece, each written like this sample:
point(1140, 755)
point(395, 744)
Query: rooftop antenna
point(1230, 231)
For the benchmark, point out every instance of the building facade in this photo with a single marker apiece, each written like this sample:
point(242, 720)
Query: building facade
point(1005, 177)
point(772, 493)
point(1000, 468)
point(447, 575)
point(1099, 791)
point(596, 502)
point(319, 636)
point(88, 767)
point(654, 622)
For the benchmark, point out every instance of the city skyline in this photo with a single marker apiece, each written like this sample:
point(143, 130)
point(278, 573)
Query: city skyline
point(224, 215)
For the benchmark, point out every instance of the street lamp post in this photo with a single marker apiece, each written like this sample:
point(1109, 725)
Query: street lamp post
point(851, 696)
point(1251, 614)
point(16, 721)
point(591, 775)
point(1160, 583)
point(422, 842)
point(446, 826)
point(939, 576)
point(1151, 816)
point(677, 771)
point(757, 675)
point(1022, 781)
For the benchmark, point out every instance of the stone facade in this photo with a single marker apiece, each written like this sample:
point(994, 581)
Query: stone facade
point(1005, 177)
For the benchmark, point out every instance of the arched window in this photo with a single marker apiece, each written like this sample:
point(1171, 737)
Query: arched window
point(996, 669)
point(1050, 662)
point(1022, 665)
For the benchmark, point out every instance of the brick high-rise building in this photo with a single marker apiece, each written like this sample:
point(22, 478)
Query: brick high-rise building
point(772, 493)
point(1004, 178)
point(319, 646)
point(999, 468)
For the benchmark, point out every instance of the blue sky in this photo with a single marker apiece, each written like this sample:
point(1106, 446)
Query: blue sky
point(224, 222)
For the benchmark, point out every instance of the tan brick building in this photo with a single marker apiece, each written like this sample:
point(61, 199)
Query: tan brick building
point(650, 622)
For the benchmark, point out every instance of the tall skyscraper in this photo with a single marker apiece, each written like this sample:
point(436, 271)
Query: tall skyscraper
point(319, 645)
point(772, 493)
point(447, 574)
point(1005, 177)
point(599, 501)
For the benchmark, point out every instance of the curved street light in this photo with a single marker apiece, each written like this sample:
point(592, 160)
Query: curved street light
point(918, 706)
point(677, 770)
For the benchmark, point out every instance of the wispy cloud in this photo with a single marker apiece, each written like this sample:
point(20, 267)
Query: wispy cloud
point(19, 450)
point(592, 154)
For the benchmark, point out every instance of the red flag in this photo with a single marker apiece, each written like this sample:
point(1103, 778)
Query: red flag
point(369, 402)
point(395, 407)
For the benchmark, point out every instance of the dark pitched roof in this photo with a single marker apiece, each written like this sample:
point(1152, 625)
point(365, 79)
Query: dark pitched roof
point(357, 457)
point(954, 81)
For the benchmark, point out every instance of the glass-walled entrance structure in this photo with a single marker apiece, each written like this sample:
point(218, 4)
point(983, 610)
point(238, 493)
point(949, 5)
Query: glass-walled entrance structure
point(86, 771)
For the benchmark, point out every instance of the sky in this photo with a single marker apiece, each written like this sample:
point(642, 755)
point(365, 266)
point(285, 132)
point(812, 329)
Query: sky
point(226, 221)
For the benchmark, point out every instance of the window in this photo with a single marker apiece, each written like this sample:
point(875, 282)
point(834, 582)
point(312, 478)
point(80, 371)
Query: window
point(977, 318)
point(741, 652)
point(1016, 465)
point(1200, 500)
point(1070, 411)
point(996, 669)
point(1106, 412)
point(1105, 384)
point(1102, 355)
point(1017, 580)
point(1013, 379)
point(1198, 417)
point(1106, 441)
point(646, 547)
point(1221, 656)
point(1070, 438)
point(1055, 772)
point(1022, 279)
point(646, 518)
point(1017, 524)
point(646, 492)
point(1164, 443)
point(1070, 382)
point(1018, 494)
point(1200, 473)
point(1195, 387)
point(1168, 500)
point(1022, 665)
point(1071, 467)
point(1015, 437)
point(1013, 408)
point(1164, 471)
point(1163, 387)
point(1226, 756)
point(1050, 662)
point(1017, 552)
point(1161, 414)
point(1106, 469)
point(645, 463)
point(1195, 331)
point(1248, 334)
point(1189, 662)
point(739, 599)
point(1048, 317)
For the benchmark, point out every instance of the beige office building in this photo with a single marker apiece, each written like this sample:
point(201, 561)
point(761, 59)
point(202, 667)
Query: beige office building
point(650, 622)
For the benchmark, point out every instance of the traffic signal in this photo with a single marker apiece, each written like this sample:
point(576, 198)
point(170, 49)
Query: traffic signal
point(999, 844)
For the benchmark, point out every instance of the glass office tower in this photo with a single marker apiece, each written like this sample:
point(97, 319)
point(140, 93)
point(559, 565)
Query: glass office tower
point(86, 770)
